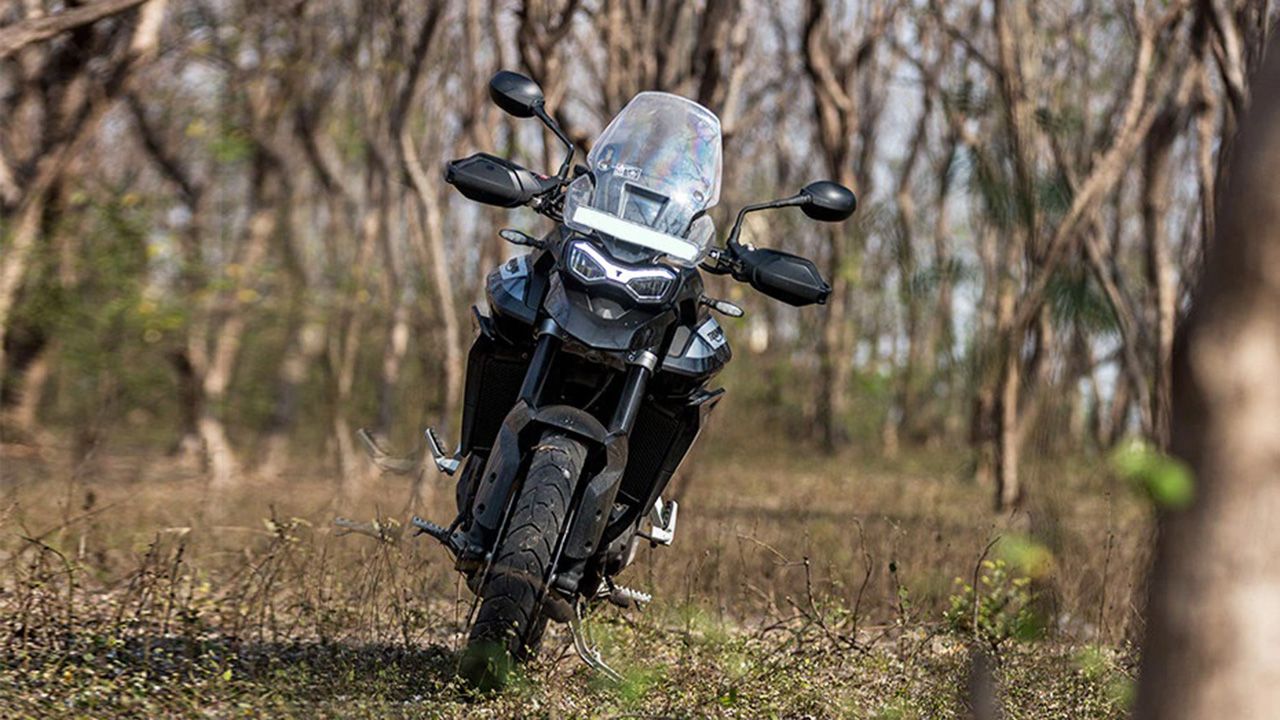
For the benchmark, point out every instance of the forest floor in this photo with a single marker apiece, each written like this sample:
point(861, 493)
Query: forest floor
point(797, 587)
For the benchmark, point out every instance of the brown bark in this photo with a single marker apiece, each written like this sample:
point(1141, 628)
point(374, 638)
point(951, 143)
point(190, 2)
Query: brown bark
point(33, 30)
point(25, 412)
point(345, 347)
point(841, 86)
point(215, 333)
point(909, 294)
point(219, 346)
point(426, 224)
point(1213, 642)
point(1008, 374)
point(1161, 280)
point(191, 361)
point(544, 24)
point(942, 330)
point(669, 45)
point(1046, 247)
point(70, 118)
point(1102, 262)
point(13, 266)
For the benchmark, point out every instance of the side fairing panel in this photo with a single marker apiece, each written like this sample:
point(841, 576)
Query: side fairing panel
point(509, 291)
point(698, 351)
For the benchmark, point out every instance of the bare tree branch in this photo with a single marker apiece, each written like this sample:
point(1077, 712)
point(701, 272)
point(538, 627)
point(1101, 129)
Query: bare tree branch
point(21, 34)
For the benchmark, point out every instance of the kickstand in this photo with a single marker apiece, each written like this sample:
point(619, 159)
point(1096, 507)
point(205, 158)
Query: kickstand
point(586, 648)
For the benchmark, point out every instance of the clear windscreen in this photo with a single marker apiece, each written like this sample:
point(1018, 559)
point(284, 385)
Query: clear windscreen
point(654, 171)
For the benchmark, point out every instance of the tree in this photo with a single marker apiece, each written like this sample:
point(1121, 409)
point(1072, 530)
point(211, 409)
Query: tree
point(80, 93)
point(847, 99)
point(1213, 644)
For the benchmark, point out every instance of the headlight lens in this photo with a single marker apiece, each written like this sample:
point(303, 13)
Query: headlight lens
point(648, 284)
point(584, 266)
point(649, 288)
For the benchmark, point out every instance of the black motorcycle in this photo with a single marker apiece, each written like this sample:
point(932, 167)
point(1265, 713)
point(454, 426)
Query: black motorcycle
point(587, 383)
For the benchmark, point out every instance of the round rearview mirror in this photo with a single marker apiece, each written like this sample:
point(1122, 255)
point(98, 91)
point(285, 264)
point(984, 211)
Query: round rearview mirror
point(828, 201)
point(516, 94)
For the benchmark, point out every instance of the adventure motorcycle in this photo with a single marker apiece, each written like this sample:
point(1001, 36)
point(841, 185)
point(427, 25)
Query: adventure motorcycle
point(587, 383)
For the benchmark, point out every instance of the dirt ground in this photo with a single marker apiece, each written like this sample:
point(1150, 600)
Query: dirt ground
point(797, 587)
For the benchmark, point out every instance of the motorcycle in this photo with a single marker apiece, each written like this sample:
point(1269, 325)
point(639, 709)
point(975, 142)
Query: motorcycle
point(588, 380)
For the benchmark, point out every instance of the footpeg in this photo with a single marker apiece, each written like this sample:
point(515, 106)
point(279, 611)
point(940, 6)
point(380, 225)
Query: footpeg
point(627, 598)
point(445, 463)
point(407, 465)
point(387, 531)
point(448, 536)
point(663, 518)
point(426, 527)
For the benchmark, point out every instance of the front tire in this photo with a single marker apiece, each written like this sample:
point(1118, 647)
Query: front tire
point(508, 628)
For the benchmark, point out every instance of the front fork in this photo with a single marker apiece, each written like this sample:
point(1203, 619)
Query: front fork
point(640, 367)
point(486, 510)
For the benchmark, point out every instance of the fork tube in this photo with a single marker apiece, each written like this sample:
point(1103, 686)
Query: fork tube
point(629, 404)
point(539, 368)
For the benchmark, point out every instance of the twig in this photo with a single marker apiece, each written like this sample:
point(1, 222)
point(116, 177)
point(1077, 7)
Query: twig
point(977, 568)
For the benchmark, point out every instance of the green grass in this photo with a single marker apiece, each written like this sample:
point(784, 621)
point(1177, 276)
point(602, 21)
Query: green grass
point(797, 587)
point(669, 671)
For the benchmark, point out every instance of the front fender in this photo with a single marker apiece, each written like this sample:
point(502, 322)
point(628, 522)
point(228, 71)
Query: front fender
point(521, 430)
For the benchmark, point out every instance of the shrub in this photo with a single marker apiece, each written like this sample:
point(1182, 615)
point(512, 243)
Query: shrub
point(999, 608)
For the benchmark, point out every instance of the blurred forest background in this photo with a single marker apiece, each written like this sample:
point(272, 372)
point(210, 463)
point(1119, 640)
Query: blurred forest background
point(225, 231)
point(225, 243)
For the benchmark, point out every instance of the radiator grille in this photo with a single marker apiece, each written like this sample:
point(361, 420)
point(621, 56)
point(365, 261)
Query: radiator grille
point(647, 450)
point(500, 381)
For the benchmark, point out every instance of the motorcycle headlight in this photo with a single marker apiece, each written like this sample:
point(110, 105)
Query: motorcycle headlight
point(589, 265)
point(649, 288)
point(586, 267)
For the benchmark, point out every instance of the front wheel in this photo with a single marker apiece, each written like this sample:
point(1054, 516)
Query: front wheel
point(508, 628)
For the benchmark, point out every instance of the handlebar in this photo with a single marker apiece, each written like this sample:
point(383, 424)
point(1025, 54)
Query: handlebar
point(497, 181)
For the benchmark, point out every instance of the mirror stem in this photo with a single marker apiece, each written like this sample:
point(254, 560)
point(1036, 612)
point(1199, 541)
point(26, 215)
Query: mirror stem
point(554, 127)
point(732, 243)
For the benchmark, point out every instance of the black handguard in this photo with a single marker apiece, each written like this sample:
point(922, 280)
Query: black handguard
point(497, 181)
point(780, 275)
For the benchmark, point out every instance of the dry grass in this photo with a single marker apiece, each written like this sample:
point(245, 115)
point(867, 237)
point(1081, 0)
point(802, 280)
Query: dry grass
point(798, 586)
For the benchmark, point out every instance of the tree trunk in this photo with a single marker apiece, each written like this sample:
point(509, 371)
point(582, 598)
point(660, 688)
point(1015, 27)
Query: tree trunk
point(429, 241)
point(1008, 432)
point(346, 353)
point(940, 353)
point(190, 400)
point(306, 343)
point(1117, 413)
point(78, 118)
point(1213, 636)
point(33, 30)
point(17, 254)
point(984, 369)
point(393, 354)
point(25, 412)
point(916, 337)
point(1161, 280)
point(1008, 379)
point(833, 363)
point(217, 372)
point(426, 222)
